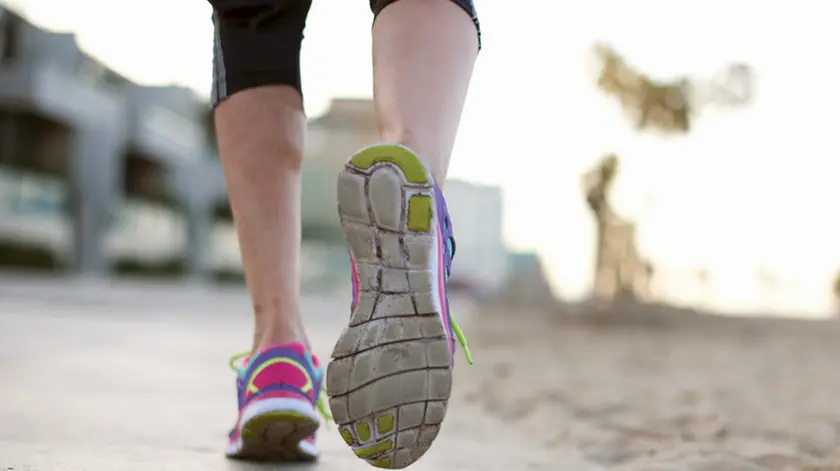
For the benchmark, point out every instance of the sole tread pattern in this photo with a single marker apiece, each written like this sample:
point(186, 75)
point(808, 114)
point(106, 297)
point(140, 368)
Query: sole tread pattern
point(390, 377)
point(276, 437)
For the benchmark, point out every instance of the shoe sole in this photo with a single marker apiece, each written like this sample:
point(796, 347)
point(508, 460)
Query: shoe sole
point(274, 433)
point(390, 377)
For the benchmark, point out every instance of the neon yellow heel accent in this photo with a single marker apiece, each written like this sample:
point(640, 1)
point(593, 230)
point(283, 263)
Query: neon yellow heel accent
point(403, 158)
point(420, 213)
point(306, 387)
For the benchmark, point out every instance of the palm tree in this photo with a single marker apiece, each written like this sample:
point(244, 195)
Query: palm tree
point(597, 185)
point(669, 106)
point(619, 267)
point(655, 105)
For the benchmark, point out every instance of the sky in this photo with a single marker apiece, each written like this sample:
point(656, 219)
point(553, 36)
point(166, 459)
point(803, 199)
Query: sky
point(746, 192)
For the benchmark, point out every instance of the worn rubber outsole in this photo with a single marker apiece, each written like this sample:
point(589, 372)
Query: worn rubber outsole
point(275, 435)
point(390, 377)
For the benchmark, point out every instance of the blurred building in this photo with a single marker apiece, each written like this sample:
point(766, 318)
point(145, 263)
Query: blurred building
point(130, 166)
point(102, 173)
point(526, 282)
point(348, 125)
point(476, 210)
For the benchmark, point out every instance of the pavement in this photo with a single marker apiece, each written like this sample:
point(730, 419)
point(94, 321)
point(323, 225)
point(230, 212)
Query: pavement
point(126, 376)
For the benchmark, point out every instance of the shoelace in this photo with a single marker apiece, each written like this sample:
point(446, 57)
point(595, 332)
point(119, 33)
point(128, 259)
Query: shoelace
point(462, 339)
point(321, 405)
point(459, 334)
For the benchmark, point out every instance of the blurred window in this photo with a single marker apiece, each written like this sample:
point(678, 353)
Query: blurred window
point(9, 37)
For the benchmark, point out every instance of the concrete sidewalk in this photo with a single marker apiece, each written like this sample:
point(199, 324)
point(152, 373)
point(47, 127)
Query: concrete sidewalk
point(134, 377)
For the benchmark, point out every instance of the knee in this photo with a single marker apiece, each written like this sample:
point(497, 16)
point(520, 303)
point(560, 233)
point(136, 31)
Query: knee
point(257, 43)
point(262, 120)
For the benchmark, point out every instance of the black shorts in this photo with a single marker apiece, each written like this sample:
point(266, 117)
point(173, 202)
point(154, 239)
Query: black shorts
point(257, 42)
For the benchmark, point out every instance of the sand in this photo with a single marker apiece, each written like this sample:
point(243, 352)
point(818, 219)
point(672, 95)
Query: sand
point(665, 392)
point(703, 394)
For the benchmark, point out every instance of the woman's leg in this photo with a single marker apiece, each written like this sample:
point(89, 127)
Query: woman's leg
point(390, 379)
point(423, 57)
point(260, 127)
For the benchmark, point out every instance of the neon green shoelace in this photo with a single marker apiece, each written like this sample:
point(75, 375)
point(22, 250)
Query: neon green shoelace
point(462, 339)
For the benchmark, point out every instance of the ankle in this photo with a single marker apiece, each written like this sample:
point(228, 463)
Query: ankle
point(417, 142)
point(279, 333)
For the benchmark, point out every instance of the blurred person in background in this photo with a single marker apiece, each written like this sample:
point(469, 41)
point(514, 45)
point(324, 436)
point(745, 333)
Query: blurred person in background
point(391, 369)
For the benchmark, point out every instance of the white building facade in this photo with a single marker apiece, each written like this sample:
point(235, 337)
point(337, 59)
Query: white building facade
point(477, 218)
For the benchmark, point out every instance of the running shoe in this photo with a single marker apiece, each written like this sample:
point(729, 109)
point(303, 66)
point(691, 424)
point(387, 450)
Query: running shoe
point(390, 376)
point(279, 390)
